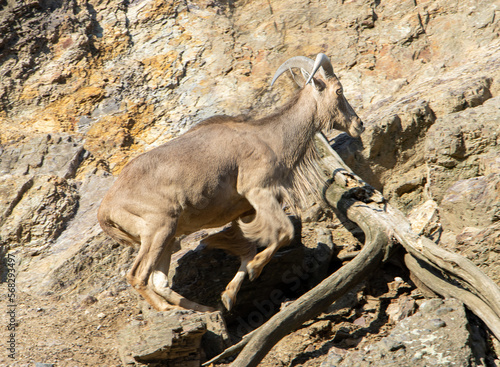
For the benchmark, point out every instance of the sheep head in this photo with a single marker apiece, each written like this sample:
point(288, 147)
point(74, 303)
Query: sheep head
point(333, 111)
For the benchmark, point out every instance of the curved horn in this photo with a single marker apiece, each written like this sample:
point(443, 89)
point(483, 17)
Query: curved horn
point(294, 62)
point(306, 63)
point(322, 61)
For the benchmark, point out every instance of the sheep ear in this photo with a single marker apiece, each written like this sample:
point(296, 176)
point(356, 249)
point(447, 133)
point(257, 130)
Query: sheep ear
point(306, 76)
point(299, 82)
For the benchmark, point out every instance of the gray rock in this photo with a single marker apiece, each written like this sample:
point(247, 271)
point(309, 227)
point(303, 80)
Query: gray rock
point(460, 145)
point(467, 93)
point(481, 247)
point(474, 202)
point(36, 209)
point(177, 338)
point(72, 253)
point(172, 337)
point(54, 154)
point(38, 198)
point(216, 339)
point(437, 335)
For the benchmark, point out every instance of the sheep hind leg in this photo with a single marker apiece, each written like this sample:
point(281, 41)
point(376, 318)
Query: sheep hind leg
point(271, 227)
point(138, 276)
point(148, 274)
point(159, 281)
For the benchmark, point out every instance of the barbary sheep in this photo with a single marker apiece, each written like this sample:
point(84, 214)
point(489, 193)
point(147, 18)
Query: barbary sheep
point(224, 169)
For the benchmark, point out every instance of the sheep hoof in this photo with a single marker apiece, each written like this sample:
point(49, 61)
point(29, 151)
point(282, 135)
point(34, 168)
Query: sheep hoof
point(227, 301)
point(251, 274)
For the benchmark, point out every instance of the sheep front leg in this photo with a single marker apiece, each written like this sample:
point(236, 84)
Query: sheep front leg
point(232, 240)
point(228, 297)
point(271, 228)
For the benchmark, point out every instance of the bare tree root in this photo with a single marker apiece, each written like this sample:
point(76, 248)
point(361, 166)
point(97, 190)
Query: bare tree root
point(461, 269)
point(445, 273)
point(233, 349)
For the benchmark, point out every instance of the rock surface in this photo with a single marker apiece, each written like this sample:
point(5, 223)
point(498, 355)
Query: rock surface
point(38, 211)
point(87, 85)
point(165, 339)
point(173, 337)
point(437, 335)
point(474, 202)
point(463, 145)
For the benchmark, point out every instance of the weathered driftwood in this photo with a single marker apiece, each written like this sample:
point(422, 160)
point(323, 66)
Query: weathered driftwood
point(445, 273)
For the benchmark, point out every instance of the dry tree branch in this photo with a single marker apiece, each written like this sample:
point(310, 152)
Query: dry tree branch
point(480, 293)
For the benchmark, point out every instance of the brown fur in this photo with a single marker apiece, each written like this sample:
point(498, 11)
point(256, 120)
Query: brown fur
point(225, 169)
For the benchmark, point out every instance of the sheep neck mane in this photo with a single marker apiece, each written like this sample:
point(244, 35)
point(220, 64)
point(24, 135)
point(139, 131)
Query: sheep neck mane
point(290, 133)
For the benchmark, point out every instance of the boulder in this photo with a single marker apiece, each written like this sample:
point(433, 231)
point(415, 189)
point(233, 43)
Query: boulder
point(177, 338)
point(437, 335)
point(462, 145)
point(167, 337)
point(474, 202)
point(36, 209)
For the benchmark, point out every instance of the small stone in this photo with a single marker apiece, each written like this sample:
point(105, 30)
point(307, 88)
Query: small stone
point(89, 300)
point(360, 321)
point(310, 348)
point(392, 345)
point(106, 294)
point(417, 356)
point(430, 305)
point(436, 324)
point(444, 310)
point(401, 309)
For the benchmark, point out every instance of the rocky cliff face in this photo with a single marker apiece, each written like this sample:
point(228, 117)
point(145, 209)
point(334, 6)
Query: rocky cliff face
point(87, 85)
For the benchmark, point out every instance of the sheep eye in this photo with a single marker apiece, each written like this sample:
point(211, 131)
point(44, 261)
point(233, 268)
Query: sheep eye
point(339, 91)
